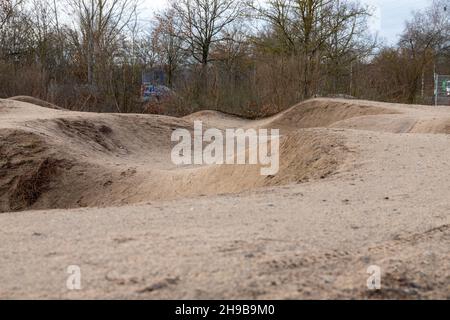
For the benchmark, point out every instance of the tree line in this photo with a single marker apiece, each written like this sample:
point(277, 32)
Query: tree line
point(252, 57)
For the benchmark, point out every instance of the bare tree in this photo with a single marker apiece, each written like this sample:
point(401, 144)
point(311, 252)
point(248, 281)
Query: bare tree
point(201, 24)
point(423, 38)
point(7, 9)
point(169, 43)
point(304, 28)
point(100, 23)
point(16, 31)
point(349, 41)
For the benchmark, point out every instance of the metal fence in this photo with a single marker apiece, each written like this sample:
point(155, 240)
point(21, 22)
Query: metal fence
point(441, 89)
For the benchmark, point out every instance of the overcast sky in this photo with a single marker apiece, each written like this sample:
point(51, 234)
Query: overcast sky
point(388, 21)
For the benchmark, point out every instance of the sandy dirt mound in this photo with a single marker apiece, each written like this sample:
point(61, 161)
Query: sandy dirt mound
point(36, 101)
point(309, 114)
point(26, 169)
point(322, 113)
point(59, 161)
point(394, 118)
point(67, 160)
point(435, 125)
point(360, 184)
point(304, 155)
point(56, 159)
point(217, 119)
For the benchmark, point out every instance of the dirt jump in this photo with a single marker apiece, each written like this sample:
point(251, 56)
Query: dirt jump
point(361, 183)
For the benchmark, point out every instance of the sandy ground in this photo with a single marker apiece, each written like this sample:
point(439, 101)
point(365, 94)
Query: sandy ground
point(361, 183)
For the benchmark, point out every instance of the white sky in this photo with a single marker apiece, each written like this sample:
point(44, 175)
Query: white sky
point(388, 21)
point(390, 16)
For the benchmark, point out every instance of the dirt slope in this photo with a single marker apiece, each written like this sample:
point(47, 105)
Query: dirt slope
point(54, 159)
point(360, 183)
point(57, 160)
point(322, 113)
point(217, 119)
point(36, 101)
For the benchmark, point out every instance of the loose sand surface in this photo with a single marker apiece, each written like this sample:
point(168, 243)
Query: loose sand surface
point(360, 183)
